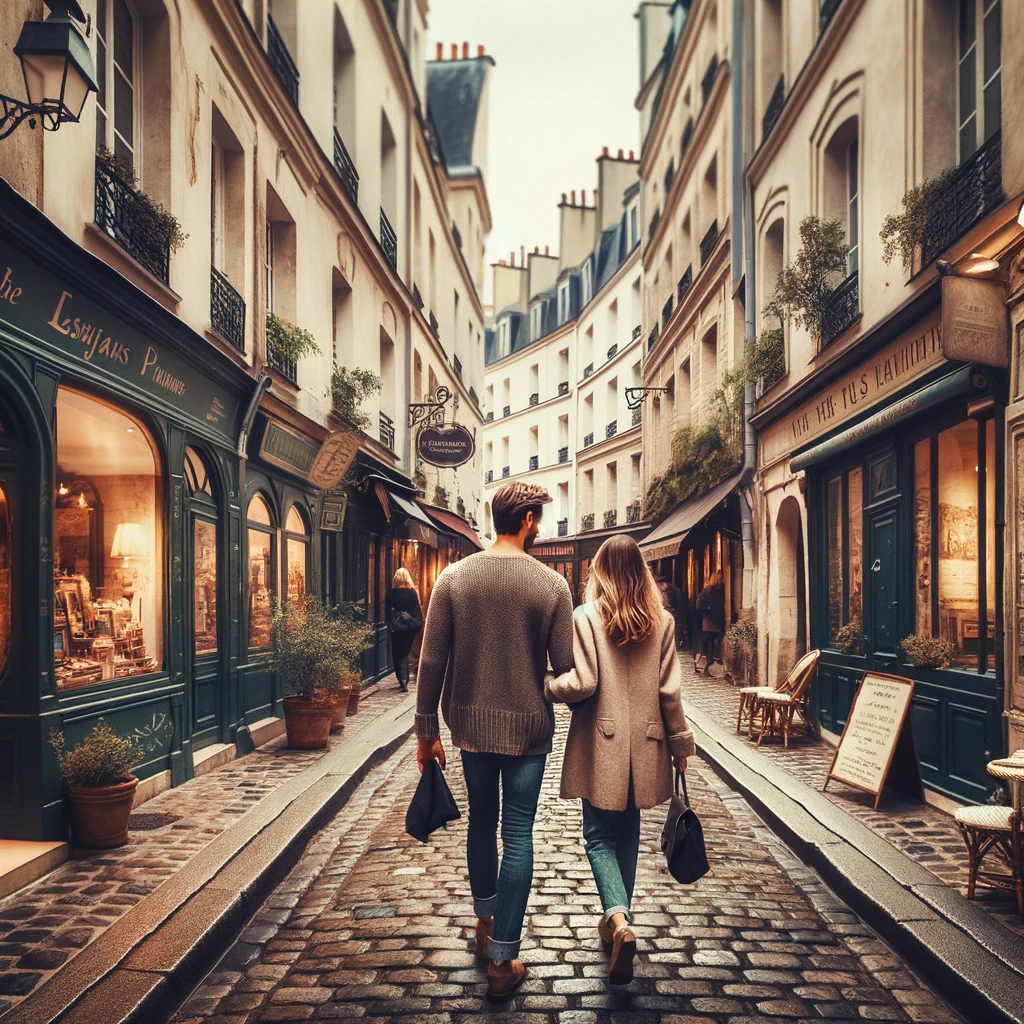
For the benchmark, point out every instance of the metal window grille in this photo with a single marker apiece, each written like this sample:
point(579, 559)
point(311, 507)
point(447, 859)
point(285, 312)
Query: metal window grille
point(281, 61)
point(534, 462)
point(227, 310)
point(775, 104)
point(563, 454)
point(611, 518)
point(684, 283)
point(388, 239)
point(387, 431)
point(346, 169)
point(611, 429)
point(707, 243)
point(841, 310)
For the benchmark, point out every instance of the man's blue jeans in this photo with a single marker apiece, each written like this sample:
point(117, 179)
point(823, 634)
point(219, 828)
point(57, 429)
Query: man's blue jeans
point(612, 841)
point(503, 895)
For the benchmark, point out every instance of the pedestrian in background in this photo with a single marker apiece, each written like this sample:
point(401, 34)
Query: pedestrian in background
point(405, 620)
point(711, 609)
point(494, 622)
point(672, 599)
point(626, 733)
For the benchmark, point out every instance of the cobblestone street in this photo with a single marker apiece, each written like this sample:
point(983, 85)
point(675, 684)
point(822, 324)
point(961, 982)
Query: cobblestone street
point(371, 924)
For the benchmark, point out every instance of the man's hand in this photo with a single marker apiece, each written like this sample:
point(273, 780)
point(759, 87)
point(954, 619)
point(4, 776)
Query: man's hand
point(430, 750)
point(680, 763)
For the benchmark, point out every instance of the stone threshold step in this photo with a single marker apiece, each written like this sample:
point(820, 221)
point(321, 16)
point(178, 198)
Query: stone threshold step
point(22, 862)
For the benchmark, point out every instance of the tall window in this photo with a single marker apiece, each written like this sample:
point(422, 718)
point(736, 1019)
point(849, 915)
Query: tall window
point(563, 302)
point(588, 281)
point(116, 61)
point(535, 321)
point(296, 555)
point(204, 551)
point(261, 571)
point(845, 534)
point(852, 192)
point(979, 73)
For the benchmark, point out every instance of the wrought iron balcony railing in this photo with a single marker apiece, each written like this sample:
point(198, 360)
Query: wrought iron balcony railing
point(666, 311)
point(416, 297)
point(611, 429)
point(433, 324)
point(827, 13)
point(387, 431)
point(684, 283)
point(490, 416)
point(708, 242)
point(123, 215)
point(457, 366)
point(563, 454)
point(535, 398)
point(961, 201)
point(774, 108)
point(588, 439)
point(652, 338)
point(687, 135)
point(613, 351)
point(456, 234)
point(489, 477)
point(285, 367)
point(563, 387)
point(388, 239)
point(637, 331)
point(504, 471)
point(708, 81)
point(841, 311)
point(227, 310)
point(670, 173)
point(611, 518)
point(587, 522)
point(655, 221)
point(637, 416)
point(588, 370)
point(633, 512)
point(534, 462)
point(506, 410)
point(347, 170)
point(563, 527)
point(281, 61)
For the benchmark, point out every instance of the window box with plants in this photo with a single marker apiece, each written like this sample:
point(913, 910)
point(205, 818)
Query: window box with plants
point(100, 785)
point(349, 389)
point(286, 345)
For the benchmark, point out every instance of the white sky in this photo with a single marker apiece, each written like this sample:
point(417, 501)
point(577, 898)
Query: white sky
point(563, 87)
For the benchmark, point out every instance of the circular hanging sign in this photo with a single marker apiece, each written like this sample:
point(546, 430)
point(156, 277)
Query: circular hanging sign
point(449, 444)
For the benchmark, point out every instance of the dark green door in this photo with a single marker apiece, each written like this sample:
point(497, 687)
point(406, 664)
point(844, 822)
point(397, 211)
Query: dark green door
point(882, 585)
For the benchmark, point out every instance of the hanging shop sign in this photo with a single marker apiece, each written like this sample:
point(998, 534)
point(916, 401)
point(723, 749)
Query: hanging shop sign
point(333, 459)
point(332, 512)
point(287, 449)
point(446, 445)
point(974, 326)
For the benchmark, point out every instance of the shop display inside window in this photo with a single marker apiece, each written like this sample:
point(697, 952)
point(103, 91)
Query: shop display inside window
point(845, 536)
point(108, 574)
point(261, 573)
point(5, 578)
point(204, 538)
point(296, 553)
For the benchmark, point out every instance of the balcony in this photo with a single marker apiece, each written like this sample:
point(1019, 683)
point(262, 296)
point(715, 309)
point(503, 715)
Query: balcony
point(490, 416)
point(587, 522)
point(960, 202)
point(613, 351)
point(708, 242)
point(637, 417)
point(684, 283)
point(687, 135)
point(433, 324)
point(347, 170)
point(388, 239)
point(534, 399)
point(563, 527)
point(633, 512)
point(588, 440)
point(472, 393)
point(666, 311)
point(441, 497)
point(387, 431)
point(611, 429)
point(489, 477)
point(285, 367)
point(563, 388)
point(775, 104)
point(588, 370)
point(611, 518)
point(534, 462)
point(563, 454)
point(841, 311)
point(281, 61)
point(129, 220)
point(652, 338)
point(506, 410)
point(827, 13)
point(227, 310)
point(708, 81)
point(457, 366)
point(416, 297)
point(504, 472)
point(637, 331)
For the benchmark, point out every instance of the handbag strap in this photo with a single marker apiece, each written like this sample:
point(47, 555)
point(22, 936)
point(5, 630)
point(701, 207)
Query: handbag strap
point(682, 776)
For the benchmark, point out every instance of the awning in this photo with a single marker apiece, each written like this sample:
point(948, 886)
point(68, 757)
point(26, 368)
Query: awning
point(664, 540)
point(417, 525)
point(454, 523)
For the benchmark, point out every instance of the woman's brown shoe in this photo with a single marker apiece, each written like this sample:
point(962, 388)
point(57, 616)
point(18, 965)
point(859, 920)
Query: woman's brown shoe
point(605, 930)
point(504, 978)
point(484, 934)
point(620, 971)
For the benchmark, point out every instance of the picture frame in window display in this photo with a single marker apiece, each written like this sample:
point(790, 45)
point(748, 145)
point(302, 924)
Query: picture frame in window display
point(74, 603)
point(61, 644)
point(105, 622)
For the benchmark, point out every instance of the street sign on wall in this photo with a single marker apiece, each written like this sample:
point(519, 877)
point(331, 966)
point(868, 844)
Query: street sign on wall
point(447, 444)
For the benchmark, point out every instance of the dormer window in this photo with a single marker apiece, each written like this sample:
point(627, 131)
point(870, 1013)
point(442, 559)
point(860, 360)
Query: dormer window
point(503, 338)
point(535, 321)
point(634, 225)
point(588, 281)
point(563, 302)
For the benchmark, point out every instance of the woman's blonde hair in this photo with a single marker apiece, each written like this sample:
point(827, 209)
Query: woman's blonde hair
point(402, 580)
point(623, 590)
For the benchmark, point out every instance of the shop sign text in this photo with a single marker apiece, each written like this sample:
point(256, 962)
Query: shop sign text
point(448, 445)
point(974, 326)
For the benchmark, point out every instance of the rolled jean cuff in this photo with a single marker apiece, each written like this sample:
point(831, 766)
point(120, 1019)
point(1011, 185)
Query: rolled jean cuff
point(503, 950)
point(485, 907)
point(612, 911)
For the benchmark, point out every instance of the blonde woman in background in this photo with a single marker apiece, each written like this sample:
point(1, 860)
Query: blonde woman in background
point(405, 620)
point(630, 728)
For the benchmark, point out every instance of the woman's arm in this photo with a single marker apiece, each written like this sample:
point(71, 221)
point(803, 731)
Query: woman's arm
point(580, 682)
point(680, 737)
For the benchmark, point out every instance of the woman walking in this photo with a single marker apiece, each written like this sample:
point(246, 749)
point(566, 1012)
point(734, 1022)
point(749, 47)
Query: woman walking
point(405, 620)
point(711, 609)
point(627, 732)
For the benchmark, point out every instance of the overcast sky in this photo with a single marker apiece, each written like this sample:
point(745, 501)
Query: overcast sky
point(565, 80)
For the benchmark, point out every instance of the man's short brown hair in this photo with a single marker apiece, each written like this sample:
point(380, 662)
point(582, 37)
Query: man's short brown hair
point(512, 501)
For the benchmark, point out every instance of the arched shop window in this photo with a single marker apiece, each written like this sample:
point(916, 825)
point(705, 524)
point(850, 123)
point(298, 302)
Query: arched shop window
point(108, 545)
point(296, 554)
point(203, 512)
point(261, 572)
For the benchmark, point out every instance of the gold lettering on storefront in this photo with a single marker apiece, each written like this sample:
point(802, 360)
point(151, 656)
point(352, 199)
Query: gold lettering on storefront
point(90, 335)
point(160, 375)
point(8, 293)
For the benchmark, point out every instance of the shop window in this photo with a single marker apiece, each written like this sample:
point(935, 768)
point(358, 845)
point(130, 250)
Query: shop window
point(204, 552)
point(261, 572)
point(108, 540)
point(5, 578)
point(845, 536)
point(296, 555)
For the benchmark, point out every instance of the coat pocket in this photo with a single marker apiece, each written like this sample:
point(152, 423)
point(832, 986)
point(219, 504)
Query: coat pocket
point(606, 726)
point(655, 731)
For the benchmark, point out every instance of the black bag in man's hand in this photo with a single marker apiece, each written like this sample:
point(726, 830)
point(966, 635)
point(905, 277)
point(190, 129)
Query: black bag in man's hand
point(682, 839)
point(432, 804)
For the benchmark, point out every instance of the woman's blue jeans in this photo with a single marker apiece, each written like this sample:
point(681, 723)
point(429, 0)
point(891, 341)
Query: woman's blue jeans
point(502, 894)
point(612, 841)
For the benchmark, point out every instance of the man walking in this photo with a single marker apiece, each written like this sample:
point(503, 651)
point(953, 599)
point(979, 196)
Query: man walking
point(494, 621)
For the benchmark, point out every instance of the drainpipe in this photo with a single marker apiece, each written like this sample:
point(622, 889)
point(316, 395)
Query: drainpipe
point(403, 406)
point(743, 261)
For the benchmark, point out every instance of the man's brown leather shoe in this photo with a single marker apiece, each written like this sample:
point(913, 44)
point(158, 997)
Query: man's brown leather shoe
point(504, 978)
point(605, 930)
point(484, 933)
point(620, 971)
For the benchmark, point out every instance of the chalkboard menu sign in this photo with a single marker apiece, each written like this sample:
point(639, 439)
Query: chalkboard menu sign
point(877, 737)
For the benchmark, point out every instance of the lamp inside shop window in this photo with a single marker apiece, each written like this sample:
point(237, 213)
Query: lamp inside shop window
point(130, 541)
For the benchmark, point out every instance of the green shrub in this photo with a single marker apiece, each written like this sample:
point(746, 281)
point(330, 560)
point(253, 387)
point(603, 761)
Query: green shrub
point(102, 759)
point(349, 389)
point(288, 341)
point(904, 231)
point(928, 651)
point(765, 358)
point(850, 638)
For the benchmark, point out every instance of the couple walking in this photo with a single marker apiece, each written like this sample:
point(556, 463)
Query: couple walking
point(496, 621)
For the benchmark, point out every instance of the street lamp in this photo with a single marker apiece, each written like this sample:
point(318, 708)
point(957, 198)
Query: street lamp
point(57, 67)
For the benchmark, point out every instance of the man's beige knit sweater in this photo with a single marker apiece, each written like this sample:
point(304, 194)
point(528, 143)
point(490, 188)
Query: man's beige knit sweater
point(492, 624)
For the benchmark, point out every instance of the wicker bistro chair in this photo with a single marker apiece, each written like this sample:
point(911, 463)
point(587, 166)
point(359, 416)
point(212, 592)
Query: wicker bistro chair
point(779, 709)
point(750, 694)
point(986, 828)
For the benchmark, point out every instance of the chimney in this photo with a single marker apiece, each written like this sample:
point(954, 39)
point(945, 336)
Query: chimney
point(595, 197)
point(604, 151)
point(480, 50)
point(583, 198)
point(455, 51)
point(574, 197)
point(536, 250)
point(546, 252)
point(619, 157)
point(631, 157)
point(501, 263)
point(440, 51)
point(563, 198)
point(465, 51)
point(522, 255)
point(512, 258)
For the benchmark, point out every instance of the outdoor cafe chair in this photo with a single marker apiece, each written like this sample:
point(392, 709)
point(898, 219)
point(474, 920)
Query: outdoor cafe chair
point(749, 694)
point(779, 709)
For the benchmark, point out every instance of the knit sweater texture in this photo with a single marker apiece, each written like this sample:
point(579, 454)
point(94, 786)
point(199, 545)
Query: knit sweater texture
point(493, 623)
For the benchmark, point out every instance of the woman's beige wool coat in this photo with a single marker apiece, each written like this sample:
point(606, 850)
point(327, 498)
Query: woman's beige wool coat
point(632, 718)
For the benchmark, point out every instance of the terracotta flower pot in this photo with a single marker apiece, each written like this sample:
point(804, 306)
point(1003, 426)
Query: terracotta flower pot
point(308, 722)
point(353, 698)
point(99, 814)
point(341, 708)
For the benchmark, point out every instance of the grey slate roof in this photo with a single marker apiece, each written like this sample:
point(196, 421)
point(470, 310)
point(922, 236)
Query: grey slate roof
point(454, 88)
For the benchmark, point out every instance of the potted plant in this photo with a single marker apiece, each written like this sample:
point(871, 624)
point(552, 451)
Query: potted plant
point(100, 785)
point(312, 645)
point(742, 643)
point(850, 638)
point(925, 651)
point(354, 637)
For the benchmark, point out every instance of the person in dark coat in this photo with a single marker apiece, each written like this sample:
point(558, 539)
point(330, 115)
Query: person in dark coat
point(711, 609)
point(402, 597)
point(672, 601)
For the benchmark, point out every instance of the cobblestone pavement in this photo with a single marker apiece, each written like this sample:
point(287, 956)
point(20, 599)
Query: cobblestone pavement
point(924, 833)
point(373, 925)
point(48, 922)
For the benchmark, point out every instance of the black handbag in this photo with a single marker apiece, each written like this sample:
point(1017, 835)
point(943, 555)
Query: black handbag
point(404, 622)
point(682, 839)
point(433, 805)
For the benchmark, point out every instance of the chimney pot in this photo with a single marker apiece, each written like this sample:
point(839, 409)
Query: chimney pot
point(501, 263)
point(574, 197)
point(563, 197)
point(631, 157)
point(522, 255)
point(440, 51)
point(620, 154)
point(512, 258)
point(455, 51)
point(536, 249)
point(465, 51)
point(604, 151)
point(546, 252)
point(480, 50)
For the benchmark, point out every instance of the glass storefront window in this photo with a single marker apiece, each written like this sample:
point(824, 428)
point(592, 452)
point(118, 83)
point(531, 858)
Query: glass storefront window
point(990, 541)
point(855, 517)
point(923, 536)
point(835, 556)
point(204, 540)
point(296, 554)
point(108, 545)
point(844, 509)
point(261, 572)
point(5, 579)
